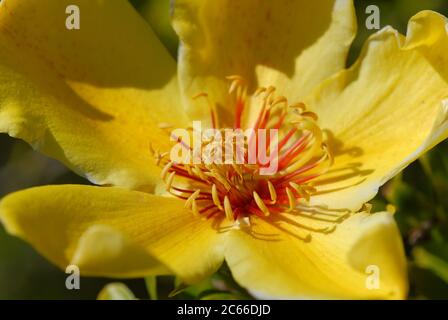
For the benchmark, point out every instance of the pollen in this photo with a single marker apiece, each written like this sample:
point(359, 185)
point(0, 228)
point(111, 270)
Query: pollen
point(236, 190)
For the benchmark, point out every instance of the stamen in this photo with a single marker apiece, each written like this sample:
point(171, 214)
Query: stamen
point(211, 106)
point(272, 192)
point(237, 190)
point(300, 191)
point(228, 208)
point(164, 125)
point(192, 198)
point(165, 170)
point(170, 181)
point(261, 204)
point(279, 100)
point(291, 199)
point(194, 208)
point(198, 172)
point(215, 197)
point(259, 91)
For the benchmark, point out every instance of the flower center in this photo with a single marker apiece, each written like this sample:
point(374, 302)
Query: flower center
point(238, 189)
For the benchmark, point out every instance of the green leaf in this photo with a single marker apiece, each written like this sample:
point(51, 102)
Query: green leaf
point(425, 284)
point(427, 260)
point(116, 291)
point(151, 286)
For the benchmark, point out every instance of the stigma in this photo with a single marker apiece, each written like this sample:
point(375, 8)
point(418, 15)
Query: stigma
point(237, 188)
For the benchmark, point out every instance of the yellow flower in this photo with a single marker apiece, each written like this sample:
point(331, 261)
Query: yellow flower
point(95, 99)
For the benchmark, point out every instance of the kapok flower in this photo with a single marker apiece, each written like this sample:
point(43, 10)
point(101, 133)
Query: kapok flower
point(100, 98)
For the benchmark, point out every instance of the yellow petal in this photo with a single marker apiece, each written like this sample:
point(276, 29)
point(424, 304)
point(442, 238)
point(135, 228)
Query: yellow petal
point(93, 97)
point(363, 259)
point(113, 232)
point(102, 250)
point(385, 111)
point(296, 44)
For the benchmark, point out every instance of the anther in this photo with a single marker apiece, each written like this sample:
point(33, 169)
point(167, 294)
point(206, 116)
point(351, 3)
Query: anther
point(200, 95)
point(234, 77)
point(259, 91)
point(291, 199)
point(191, 198)
point(279, 100)
point(272, 192)
point(198, 172)
point(228, 208)
point(301, 191)
point(215, 197)
point(194, 208)
point(261, 204)
point(300, 106)
point(233, 86)
point(170, 180)
point(164, 125)
point(165, 170)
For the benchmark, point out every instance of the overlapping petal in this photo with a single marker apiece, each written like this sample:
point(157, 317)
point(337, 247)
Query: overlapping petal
point(385, 111)
point(113, 231)
point(92, 98)
point(272, 262)
point(295, 44)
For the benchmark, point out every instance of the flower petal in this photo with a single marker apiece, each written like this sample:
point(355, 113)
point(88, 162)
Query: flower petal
point(113, 232)
point(296, 43)
point(385, 111)
point(274, 263)
point(93, 97)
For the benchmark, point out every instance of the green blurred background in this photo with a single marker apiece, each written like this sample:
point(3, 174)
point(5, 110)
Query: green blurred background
point(419, 195)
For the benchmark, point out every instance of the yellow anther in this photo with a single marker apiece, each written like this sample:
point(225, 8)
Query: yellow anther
point(215, 197)
point(234, 77)
point(170, 180)
point(198, 172)
point(309, 114)
point(234, 85)
point(278, 100)
point(228, 208)
point(164, 125)
point(301, 191)
point(300, 106)
point(259, 91)
point(270, 90)
point(200, 95)
point(272, 192)
point(329, 154)
point(160, 157)
point(330, 229)
point(165, 170)
point(194, 208)
point(291, 199)
point(191, 198)
point(261, 204)
point(309, 188)
point(237, 169)
point(215, 174)
point(188, 168)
